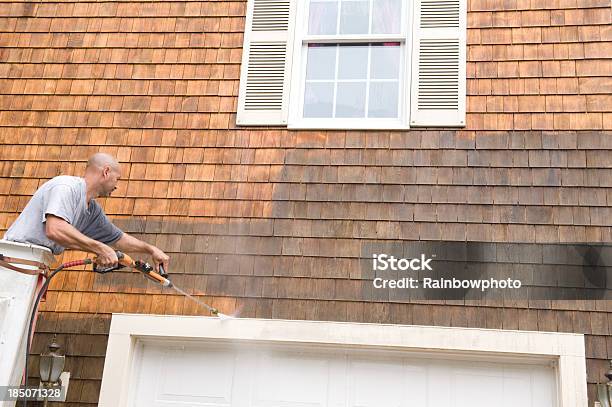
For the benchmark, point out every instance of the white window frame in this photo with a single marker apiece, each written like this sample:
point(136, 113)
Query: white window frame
point(298, 74)
point(565, 351)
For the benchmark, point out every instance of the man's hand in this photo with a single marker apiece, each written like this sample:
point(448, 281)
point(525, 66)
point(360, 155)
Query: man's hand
point(63, 233)
point(129, 244)
point(106, 257)
point(159, 258)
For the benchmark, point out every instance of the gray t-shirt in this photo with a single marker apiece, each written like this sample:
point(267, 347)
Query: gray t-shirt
point(65, 197)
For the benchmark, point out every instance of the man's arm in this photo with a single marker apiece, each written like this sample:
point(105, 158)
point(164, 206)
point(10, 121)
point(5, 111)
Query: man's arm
point(62, 232)
point(129, 243)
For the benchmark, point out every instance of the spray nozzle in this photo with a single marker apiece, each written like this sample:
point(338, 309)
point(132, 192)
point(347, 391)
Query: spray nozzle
point(222, 317)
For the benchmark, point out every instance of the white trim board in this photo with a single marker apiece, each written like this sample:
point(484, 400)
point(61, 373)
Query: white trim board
point(565, 350)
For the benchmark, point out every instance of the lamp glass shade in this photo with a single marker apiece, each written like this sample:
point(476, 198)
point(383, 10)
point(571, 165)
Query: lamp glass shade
point(51, 367)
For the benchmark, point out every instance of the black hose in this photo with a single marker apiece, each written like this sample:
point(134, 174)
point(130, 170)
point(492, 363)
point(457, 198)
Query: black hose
point(42, 291)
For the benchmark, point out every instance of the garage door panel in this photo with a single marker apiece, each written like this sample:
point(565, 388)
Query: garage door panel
point(287, 381)
point(543, 389)
point(516, 398)
point(202, 376)
point(512, 385)
point(338, 380)
point(301, 376)
point(375, 384)
point(439, 391)
point(186, 376)
point(476, 388)
point(391, 383)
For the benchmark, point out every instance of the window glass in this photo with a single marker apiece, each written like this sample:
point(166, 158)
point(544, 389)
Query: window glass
point(385, 61)
point(321, 62)
point(318, 99)
point(323, 17)
point(350, 99)
point(386, 16)
point(354, 17)
point(352, 80)
point(353, 62)
point(383, 99)
point(360, 79)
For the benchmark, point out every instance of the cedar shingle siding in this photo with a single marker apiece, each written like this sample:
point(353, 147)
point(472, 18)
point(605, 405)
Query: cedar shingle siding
point(273, 220)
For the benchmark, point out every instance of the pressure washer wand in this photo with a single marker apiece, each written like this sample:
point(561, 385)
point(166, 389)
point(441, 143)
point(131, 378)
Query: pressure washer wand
point(162, 278)
point(145, 268)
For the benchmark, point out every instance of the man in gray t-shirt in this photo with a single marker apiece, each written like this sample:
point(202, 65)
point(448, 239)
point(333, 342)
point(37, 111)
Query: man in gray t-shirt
point(64, 214)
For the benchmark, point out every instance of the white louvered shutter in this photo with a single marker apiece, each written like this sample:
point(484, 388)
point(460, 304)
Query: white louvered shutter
point(266, 63)
point(438, 66)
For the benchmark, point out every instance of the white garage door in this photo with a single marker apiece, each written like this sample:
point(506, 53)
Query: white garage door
point(281, 376)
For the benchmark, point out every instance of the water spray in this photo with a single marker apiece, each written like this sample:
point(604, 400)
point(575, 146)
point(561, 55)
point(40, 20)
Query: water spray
point(210, 308)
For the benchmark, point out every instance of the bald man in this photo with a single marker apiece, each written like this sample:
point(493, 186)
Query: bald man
point(63, 214)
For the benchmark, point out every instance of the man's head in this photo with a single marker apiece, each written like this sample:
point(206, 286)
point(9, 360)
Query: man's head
point(103, 172)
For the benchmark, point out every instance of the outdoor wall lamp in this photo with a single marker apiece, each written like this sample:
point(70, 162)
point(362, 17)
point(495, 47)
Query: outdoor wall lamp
point(52, 376)
point(604, 391)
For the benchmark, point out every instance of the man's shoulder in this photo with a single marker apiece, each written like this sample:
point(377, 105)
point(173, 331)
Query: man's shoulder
point(66, 180)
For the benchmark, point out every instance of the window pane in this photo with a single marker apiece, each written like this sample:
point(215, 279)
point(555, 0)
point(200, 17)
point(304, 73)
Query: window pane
point(353, 62)
point(323, 17)
point(350, 101)
point(383, 99)
point(385, 62)
point(386, 16)
point(321, 62)
point(354, 16)
point(318, 99)
point(361, 80)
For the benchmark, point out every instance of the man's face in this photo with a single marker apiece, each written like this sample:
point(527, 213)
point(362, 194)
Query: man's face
point(110, 178)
